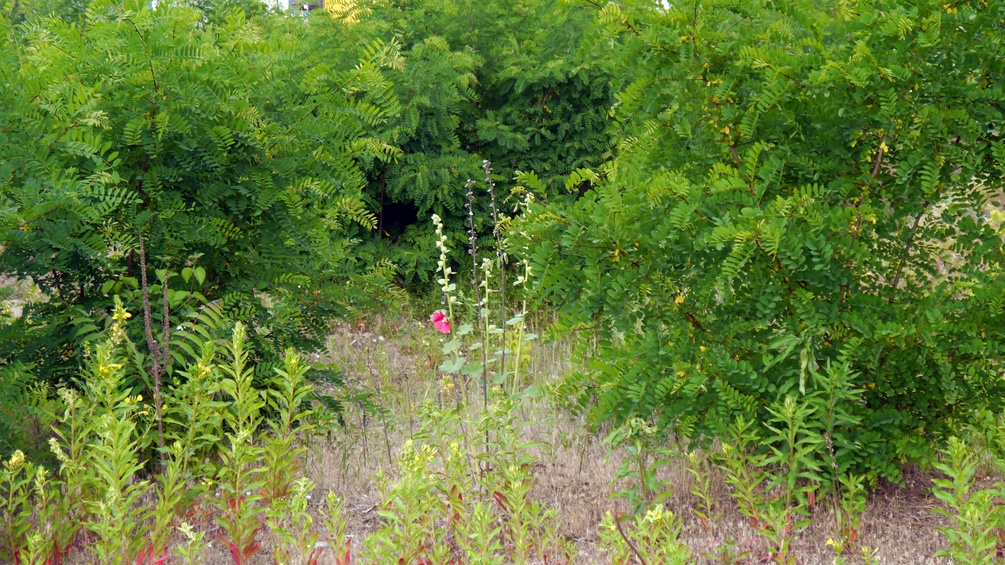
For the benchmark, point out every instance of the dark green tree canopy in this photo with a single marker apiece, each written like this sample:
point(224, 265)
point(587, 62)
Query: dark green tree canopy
point(503, 82)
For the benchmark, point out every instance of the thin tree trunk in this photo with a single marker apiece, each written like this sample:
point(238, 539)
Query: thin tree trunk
point(152, 345)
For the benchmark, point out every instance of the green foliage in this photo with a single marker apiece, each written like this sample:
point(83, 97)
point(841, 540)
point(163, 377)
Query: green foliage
point(99, 485)
point(17, 11)
point(649, 538)
point(643, 458)
point(495, 81)
point(974, 514)
point(14, 380)
point(239, 478)
point(231, 154)
point(794, 186)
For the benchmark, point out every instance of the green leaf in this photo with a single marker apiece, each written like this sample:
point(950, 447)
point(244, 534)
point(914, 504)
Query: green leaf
point(451, 346)
point(451, 366)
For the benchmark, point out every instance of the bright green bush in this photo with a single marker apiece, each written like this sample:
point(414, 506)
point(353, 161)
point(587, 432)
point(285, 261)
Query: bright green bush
point(799, 207)
point(226, 158)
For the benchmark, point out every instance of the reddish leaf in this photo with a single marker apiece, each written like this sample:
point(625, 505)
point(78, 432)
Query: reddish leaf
point(344, 560)
point(252, 549)
point(501, 500)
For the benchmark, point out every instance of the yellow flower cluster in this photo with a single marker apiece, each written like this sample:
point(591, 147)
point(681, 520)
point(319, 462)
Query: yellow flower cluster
point(16, 462)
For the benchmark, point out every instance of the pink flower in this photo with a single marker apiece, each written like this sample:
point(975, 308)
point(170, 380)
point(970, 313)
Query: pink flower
point(439, 319)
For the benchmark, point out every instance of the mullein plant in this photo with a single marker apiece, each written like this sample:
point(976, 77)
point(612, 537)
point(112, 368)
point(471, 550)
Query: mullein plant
point(288, 397)
point(521, 336)
point(69, 444)
point(292, 524)
point(501, 256)
point(459, 501)
point(701, 488)
point(190, 552)
point(409, 511)
point(38, 547)
point(480, 304)
point(335, 527)
point(113, 461)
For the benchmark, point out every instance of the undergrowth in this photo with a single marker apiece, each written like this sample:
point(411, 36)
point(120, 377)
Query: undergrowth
point(460, 490)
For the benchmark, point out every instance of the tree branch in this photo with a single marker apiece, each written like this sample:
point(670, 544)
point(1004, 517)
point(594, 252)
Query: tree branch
point(907, 247)
point(635, 550)
point(152, 345)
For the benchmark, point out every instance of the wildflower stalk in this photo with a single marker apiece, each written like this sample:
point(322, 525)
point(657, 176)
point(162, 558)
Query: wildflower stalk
point(521, 329)
point(473, 251)
point(446, 286)
point(521, 281)
point(500, 259)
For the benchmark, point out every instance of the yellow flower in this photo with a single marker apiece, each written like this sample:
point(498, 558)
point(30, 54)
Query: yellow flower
point(16, 461)
point(679, 300)
point(120, 314)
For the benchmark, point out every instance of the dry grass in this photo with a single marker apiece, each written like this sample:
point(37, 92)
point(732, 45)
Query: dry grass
point(397, 357)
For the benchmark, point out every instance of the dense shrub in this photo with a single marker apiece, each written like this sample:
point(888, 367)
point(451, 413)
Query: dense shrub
point(504, 82)
point(799, 207)
point(167, 158)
